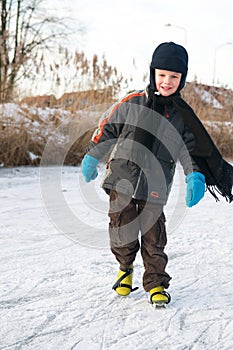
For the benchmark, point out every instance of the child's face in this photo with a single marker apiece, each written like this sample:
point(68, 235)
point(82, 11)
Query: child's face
point(167, 82)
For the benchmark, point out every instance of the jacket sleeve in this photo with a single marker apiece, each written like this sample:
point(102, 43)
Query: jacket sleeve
point(109, 129)
point(187, 162)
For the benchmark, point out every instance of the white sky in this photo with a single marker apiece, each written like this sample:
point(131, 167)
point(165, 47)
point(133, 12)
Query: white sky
point(131, 29)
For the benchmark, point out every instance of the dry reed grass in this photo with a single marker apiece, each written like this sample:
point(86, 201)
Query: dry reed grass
point(24, 135)
point(214, 106)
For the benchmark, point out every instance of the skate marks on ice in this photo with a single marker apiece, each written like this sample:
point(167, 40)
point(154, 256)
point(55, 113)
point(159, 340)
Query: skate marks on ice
point(56, 294)
point(69, 310)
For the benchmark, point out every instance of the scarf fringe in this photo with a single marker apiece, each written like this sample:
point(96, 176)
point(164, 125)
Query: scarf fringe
point(214, 189)
point(223, 183)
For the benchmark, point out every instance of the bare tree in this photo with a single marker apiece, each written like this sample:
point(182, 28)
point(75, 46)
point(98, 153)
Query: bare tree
point(26, 30)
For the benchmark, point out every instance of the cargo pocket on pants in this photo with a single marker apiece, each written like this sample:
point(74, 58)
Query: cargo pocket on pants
point(161, 232)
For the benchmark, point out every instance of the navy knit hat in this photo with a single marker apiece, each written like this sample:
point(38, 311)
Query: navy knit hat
point(172, 57)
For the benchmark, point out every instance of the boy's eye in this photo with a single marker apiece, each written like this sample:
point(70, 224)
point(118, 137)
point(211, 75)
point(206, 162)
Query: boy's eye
point(161, 75)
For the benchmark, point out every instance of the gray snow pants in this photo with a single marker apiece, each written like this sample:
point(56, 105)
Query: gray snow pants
point(128, 217)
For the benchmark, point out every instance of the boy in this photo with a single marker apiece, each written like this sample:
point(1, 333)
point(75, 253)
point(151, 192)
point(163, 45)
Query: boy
point(147, 132)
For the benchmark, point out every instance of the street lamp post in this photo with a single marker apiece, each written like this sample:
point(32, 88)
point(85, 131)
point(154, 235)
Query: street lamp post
point(178, 27)
point(215, 56)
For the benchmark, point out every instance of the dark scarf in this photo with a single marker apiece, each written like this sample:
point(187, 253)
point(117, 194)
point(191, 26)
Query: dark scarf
point(218, 172)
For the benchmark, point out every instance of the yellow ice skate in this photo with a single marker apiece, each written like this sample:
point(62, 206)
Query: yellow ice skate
point(123, 285)
point(159, 297)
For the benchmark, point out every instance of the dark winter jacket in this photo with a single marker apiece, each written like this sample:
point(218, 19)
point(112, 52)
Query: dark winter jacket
point(142, 147)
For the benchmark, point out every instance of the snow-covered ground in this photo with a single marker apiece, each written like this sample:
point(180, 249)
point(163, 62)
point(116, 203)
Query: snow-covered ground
point(56, 270)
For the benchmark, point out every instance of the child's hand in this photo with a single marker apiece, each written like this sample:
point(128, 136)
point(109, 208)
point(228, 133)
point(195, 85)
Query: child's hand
point(195, 188)
point(89, 167)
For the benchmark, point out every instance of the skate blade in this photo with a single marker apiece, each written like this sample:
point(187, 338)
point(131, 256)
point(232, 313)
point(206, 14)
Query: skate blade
point(160, 305)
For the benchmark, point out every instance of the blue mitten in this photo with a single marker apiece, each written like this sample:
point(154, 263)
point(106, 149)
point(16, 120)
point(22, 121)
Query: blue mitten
point(195, 188)
point(89, 167)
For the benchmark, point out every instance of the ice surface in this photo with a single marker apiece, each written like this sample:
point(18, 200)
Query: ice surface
point(56, 270)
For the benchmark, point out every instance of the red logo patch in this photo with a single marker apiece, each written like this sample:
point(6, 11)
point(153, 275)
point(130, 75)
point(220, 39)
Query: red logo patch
point(154, 194)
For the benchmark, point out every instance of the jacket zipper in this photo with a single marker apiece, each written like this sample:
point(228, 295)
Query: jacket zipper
point(137, 185)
